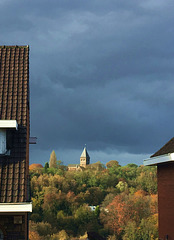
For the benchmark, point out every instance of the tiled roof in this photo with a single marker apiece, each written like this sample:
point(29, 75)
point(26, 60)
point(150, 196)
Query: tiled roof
point(14, 105)
point(167, 148)
point(14, 76)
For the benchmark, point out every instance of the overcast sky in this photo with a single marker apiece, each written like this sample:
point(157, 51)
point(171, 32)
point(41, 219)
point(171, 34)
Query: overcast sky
point(101, 74)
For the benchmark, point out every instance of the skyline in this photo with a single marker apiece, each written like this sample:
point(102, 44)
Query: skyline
point(101, 74)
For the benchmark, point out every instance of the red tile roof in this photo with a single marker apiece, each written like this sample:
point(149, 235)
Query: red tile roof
point(14, 105)
point(167, 148)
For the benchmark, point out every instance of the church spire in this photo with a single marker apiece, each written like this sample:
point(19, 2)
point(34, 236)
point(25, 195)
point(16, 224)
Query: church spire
point(84, 158)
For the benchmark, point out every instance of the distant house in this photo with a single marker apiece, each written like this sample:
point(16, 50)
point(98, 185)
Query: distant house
point(164, 160)
point(84, 161)
point(92, 208)
point(14, 142)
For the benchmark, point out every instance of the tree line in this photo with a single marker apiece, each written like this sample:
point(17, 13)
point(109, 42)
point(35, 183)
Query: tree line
point(124, 200)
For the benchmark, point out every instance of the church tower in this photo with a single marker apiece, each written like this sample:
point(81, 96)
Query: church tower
point(84, 158)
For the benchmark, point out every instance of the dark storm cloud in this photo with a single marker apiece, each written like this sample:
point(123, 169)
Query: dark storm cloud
point(101, 71)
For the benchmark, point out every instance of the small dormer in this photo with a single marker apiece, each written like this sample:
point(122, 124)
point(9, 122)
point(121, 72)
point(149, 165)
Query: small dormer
point(6, 128)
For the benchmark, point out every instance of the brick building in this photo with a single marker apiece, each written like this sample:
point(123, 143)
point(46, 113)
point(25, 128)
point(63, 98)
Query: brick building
point(14, 142)
point(164, 160)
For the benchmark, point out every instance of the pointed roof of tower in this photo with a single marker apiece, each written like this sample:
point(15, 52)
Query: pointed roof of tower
point(84, 153)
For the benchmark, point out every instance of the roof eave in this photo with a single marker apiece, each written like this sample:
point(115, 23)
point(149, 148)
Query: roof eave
point(153, 161)
point(16, 207)
point(8, 124)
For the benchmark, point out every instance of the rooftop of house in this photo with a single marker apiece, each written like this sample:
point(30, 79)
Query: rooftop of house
point(167, 148)
point(14, 104)
point(14, 82)
point(73, 165)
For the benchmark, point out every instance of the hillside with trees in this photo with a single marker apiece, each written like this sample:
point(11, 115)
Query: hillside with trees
point(117, 202)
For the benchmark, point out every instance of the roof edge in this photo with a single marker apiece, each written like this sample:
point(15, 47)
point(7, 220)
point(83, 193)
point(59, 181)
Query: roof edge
point(165, 149)
point(14, 46)
point(16, 207)
point(153, 161)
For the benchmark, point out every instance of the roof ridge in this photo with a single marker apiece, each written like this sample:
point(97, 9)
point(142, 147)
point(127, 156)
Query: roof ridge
point(14, 46)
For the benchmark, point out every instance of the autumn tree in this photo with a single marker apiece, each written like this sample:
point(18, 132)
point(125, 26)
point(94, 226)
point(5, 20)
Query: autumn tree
point(53, 160)
point(116, 215)
point(62, 235)
point(34, 236)
point(126, 196)
point(112, 163)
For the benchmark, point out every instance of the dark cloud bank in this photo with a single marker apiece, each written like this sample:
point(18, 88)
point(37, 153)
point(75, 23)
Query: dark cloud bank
point(101, 73)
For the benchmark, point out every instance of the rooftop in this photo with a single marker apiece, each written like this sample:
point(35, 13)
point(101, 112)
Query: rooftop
point(167, 148)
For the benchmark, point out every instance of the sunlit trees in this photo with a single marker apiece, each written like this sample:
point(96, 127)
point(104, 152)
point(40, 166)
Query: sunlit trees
point(116, 215)
point(122, 186)
point(34, 236)
point(53, 160)
point(125, 197)
point(112, 163)
point(62, 235)
point(131, 231)
point(128, 213)
point(147, 179)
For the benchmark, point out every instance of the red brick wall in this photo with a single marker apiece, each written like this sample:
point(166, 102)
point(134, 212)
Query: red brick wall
point(166, 200)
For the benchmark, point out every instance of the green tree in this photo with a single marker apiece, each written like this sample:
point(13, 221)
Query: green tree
point(112, 163)
point(147, 179)
point(122, 186)
point(44, 228)
point(148, 229)
point(131, 231)
point(53, 160)
point(62, 235)
point(46, 165)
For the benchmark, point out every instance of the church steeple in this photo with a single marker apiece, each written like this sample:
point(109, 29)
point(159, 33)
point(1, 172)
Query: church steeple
point(84, 158)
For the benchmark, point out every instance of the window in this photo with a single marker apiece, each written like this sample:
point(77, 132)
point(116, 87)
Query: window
point(2, 141)
point(6, 127)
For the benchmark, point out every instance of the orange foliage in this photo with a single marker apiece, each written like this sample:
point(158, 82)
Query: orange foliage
point(154, 203)
point(34, 236)
point(70, 196)
point(124, 208)
point(35, 166)
point(140, 193)
point(118, 214)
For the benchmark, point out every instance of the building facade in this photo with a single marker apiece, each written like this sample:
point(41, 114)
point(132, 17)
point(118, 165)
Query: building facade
point(14, 142)
point(164, 160)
